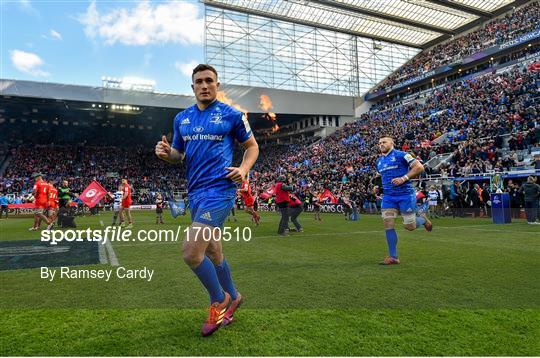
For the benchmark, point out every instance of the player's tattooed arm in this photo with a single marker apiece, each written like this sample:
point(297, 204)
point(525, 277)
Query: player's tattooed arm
point(414, 171)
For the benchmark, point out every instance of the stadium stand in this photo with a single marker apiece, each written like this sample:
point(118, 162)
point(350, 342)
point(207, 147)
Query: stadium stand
point(80, 164)
point(479, 122)
point(510, 26)
point(488, 123)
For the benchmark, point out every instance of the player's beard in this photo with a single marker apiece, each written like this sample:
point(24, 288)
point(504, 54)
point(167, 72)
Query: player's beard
point(206, 100)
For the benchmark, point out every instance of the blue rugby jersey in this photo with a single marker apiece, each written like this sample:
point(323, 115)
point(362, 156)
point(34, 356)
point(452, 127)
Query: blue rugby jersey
point(207, 138)
point(394, 165)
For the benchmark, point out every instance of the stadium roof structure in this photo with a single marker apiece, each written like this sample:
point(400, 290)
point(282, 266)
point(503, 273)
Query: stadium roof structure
point(59, 91)
point(414, 23)
point(289, 102)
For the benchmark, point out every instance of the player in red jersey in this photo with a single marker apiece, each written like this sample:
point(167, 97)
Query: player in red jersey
point(126, 204)
point(249, 200)
point(41, 199)
point(52, 205)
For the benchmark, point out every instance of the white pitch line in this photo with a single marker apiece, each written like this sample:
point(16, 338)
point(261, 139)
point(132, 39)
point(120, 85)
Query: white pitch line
point(102, 254)
point(110, 251)
point(112, 256)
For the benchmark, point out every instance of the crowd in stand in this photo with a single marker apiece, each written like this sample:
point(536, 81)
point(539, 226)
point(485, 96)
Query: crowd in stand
point(479, 117)
point(498, 31)
point(82, 164)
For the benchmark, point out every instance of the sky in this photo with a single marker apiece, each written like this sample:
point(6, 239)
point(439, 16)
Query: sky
point(79, 42)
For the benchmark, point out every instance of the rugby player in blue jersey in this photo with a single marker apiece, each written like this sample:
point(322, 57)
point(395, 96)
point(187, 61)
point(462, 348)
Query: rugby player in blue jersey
point(204, 136)
point(397, 168)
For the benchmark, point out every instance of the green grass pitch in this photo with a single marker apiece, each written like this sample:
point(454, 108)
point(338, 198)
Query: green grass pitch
point(467, 288)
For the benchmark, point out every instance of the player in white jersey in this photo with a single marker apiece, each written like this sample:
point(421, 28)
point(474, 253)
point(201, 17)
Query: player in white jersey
point(117, 203)
point(433, 200)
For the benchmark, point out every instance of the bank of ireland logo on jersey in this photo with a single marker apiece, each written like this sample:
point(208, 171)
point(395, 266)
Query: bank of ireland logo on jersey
point(198, 129)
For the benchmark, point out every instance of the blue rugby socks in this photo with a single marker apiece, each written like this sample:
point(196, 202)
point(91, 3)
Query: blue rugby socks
point(224, 275)
point(392, 239)
point(420, 221)
point(206, 272)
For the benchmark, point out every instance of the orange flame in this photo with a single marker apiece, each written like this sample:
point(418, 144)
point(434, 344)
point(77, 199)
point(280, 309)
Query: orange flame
point(222, 97)
point(265, 103)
